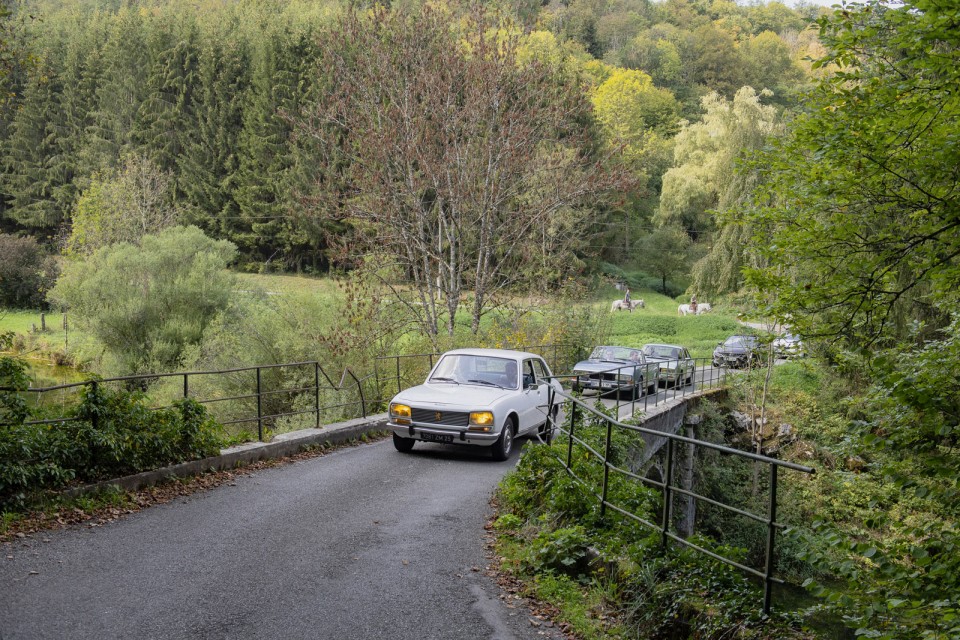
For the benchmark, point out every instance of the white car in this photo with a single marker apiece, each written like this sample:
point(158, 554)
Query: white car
point(788, 346)
point(478, 397)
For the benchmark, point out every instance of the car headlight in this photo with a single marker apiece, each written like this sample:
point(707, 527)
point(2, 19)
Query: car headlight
point(625, 378)
point(400, 413)
point(481, 421)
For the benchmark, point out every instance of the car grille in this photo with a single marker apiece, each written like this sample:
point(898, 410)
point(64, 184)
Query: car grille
point(597, 376)
point(446, 419)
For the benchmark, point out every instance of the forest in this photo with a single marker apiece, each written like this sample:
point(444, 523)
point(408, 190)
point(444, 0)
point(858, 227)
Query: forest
point(204, 111)
point(796, 164)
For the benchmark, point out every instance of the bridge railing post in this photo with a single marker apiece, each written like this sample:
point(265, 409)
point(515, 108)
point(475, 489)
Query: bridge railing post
point(316, 391)
point(667, 495)
point(606, 470)
point(259, 408)
point(771, 540)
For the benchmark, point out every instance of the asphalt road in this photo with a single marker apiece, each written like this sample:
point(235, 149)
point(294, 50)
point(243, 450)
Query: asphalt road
point(362, 543)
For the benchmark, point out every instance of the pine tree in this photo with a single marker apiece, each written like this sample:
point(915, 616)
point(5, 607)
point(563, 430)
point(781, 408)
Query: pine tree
point(209, 164)
point(281, 63)
point(30, 186)
point(171, 83)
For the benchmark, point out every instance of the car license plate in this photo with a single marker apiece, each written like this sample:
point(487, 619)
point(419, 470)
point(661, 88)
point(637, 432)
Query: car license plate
point(433, 437)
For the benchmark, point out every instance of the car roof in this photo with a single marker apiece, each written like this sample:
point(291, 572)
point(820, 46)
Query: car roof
point(664, 344)
point(494, 353)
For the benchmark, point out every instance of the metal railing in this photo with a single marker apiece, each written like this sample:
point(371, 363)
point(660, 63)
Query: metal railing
point(265, 410)
point(254, 399)
point(703, 376)
point(668, 486)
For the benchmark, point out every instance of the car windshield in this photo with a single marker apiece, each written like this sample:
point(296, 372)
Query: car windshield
point(476, 369)
point(614, 354)
point(741, 341)
point(661, 351)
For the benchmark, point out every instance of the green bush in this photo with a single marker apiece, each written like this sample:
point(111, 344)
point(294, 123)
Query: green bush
point(26, 272)
point(564, 551)
point(146, 304)
point(13, 379)
point(115, 433)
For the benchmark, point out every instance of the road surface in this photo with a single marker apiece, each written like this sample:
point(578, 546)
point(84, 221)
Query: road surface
point(362, 543)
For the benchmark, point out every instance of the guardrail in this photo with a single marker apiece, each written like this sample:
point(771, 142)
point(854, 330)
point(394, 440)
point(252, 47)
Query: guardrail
point(263, 394)
point(612, 381)
point(254, 391)
point(669, 486)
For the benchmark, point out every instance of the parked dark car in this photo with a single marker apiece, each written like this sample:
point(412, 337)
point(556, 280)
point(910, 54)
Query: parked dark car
point(737, 352)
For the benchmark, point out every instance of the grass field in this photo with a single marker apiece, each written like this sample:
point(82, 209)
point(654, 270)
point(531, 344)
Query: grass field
point(659, 322)
point(282, 284)
point(23, 321)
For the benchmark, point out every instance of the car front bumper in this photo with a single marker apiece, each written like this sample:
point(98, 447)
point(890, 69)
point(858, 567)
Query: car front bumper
point(730, 361)
point(444, 435)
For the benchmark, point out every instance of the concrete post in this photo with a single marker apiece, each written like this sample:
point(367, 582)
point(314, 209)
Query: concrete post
point(688, 510)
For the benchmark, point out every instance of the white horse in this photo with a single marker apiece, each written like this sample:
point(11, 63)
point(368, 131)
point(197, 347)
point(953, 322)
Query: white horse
point(633, 304)
point(702, 308)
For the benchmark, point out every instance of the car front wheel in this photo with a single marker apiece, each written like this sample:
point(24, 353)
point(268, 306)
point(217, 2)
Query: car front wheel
point(403, 445)
point(501, 450)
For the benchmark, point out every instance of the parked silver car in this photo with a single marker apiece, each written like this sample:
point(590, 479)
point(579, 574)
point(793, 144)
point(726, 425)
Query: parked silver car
point(613, 368)
point(674, 361)
point(478, 397)
point(788, 345)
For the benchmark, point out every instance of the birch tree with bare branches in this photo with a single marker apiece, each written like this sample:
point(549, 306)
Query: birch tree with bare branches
point(445, 153)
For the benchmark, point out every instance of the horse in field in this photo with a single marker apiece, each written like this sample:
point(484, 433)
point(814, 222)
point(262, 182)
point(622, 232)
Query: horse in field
point(621, 305)
point(702, 308)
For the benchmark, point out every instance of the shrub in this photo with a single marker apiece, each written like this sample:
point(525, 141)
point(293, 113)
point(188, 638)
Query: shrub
point(115, 433)
point(26, 272)
point(564, 551)
point(13, 378)
point(147, 303)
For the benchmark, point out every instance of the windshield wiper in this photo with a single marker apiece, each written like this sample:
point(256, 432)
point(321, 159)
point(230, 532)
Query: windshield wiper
point(440, 379)
point(486, 382)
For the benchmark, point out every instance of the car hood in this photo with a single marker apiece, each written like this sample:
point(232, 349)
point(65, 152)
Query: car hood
point(452, 396)
point(595, 366)
point(731, 350)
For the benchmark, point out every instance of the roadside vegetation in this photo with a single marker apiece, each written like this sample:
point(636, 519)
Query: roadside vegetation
point(609, 576)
